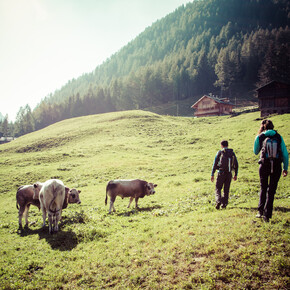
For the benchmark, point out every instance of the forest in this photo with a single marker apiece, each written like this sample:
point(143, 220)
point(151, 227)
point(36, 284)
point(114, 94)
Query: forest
point(225, 47)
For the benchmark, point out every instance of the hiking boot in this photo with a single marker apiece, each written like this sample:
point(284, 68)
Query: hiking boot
point(218, 206)
point(266, 219)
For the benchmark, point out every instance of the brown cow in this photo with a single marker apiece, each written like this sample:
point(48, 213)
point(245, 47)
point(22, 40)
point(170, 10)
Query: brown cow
point(134, 188)
point(25, 194)
point(24, 198)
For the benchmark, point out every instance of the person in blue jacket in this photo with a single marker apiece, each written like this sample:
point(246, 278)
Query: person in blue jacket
point(270, 168)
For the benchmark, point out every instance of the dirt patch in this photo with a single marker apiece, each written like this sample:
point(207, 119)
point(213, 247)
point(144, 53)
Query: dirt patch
point(44, 144)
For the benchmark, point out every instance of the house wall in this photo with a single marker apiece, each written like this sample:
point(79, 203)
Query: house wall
point(270, 106)
point(208, 107)
point(274, 99)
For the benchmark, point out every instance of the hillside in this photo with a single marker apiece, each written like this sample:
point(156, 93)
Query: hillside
point(224, 47)
point(192, 47)
point(177, 239)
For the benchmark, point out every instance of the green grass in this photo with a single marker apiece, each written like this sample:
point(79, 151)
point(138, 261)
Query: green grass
point(177, 240)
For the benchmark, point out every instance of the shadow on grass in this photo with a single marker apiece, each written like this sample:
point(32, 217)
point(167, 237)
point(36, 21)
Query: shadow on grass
point(282, 209)
point(278, 208)
point(139, 209)
point(62, 240)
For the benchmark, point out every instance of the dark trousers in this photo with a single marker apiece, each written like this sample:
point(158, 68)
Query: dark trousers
point(223, 180)
point(268, 183)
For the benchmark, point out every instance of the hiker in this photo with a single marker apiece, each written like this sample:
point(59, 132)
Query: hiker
point(225, 161)
point(273, 153)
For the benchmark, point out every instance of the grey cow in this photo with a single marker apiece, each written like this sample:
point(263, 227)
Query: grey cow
point(133, 188)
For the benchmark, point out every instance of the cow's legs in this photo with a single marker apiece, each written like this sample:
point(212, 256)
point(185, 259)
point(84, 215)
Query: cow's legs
point(131, 199)
point(136, 202)
point(112, 200)
point(20, 215)
point(43, 216)
point(26, 214)
point(54, 225)
point(50, 222)
point(57, 219)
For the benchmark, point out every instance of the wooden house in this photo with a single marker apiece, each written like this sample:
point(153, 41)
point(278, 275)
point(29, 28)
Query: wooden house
point(6, 139)
point(212, 106)
point(274, 98)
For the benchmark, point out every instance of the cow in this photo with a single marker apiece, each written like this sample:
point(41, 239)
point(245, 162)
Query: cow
point(29, 195)
point(24, 198)
point(54, 197)
point(71, 196)
point(133, 188)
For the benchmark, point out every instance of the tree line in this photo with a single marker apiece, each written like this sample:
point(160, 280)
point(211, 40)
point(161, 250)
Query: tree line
point(228, 47)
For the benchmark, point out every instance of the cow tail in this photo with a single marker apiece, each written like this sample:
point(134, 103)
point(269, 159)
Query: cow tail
point(53, 211)
point(54, 198)
point(16, 196)
point(107, 188)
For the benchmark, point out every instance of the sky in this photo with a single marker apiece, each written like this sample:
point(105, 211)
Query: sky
point(46, 43)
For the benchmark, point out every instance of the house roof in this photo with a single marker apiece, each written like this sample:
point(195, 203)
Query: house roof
point(272, 83)
point(217, 100)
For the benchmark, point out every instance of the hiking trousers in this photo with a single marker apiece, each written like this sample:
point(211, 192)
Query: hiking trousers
point(223, 181)
point(268, 186)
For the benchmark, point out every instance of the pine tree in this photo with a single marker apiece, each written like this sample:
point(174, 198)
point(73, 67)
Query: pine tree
point(5, 127)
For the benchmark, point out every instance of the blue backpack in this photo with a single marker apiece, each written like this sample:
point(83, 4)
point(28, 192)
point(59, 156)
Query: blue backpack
point(270, 148)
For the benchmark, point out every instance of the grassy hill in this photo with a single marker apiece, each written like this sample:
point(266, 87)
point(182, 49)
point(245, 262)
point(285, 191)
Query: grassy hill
point(176, 240)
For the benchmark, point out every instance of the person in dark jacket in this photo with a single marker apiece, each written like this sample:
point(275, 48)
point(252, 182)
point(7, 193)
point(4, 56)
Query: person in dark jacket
point(270, 168)
point(225, 161)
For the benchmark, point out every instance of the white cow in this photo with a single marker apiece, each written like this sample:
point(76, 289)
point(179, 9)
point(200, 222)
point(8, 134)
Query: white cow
point(29, 195)
point(51, 197)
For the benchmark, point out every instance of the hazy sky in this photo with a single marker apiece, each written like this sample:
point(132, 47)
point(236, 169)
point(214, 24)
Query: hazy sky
point(45, 43)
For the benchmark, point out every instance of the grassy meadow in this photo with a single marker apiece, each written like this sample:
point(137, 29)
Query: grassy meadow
point(176, 240)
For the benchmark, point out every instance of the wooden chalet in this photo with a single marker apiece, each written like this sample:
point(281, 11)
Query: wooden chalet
point(6, 139)
point(274, 98)
point(212, 106)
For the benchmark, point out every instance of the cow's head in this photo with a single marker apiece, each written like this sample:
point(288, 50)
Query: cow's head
point(150, 188)
point(73, 196)
point(37, 187)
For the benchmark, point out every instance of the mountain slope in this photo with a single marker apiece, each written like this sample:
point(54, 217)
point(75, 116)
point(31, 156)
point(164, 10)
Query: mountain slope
point(177, 239)
point(189, 27)
point(224, 47)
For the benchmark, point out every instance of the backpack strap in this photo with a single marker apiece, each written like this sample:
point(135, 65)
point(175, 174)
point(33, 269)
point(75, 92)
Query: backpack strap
point(262, 137)
point(218, 158)
point(278, 137)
